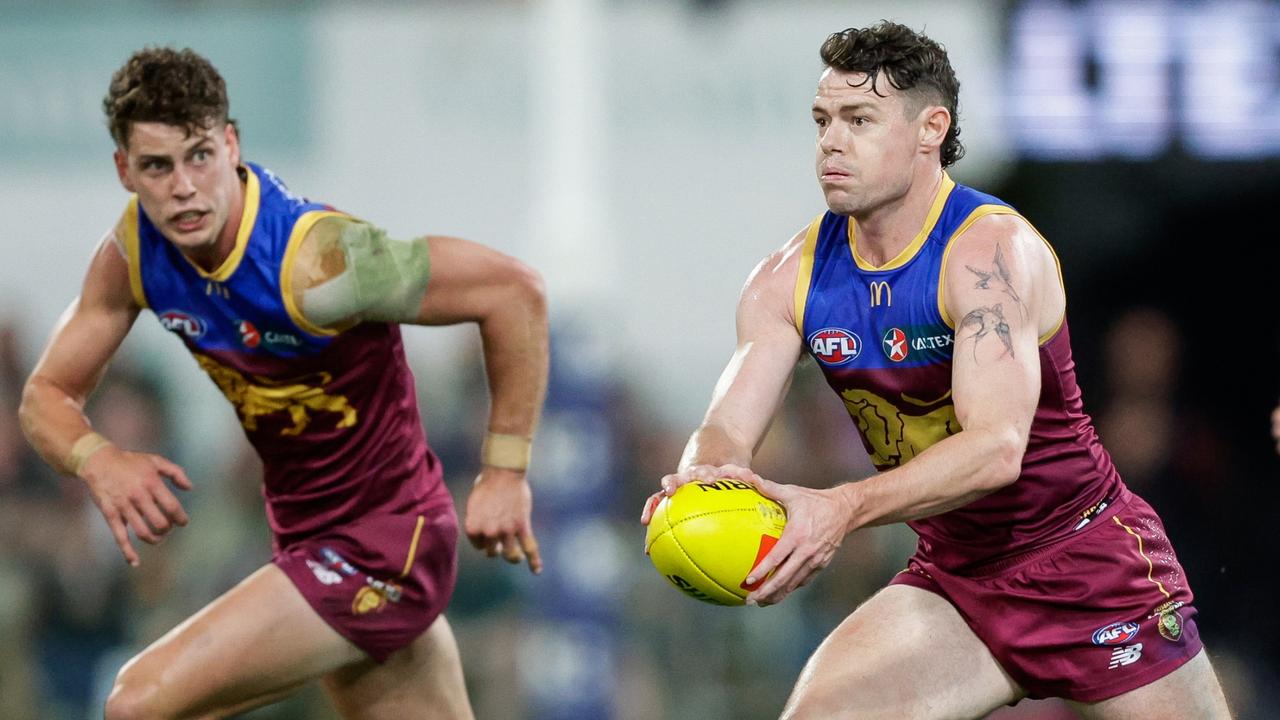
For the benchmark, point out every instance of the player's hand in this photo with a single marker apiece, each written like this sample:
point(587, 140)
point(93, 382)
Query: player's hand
point(498, 517)
point(817, 521)
point(129, 489)
point(671, 483)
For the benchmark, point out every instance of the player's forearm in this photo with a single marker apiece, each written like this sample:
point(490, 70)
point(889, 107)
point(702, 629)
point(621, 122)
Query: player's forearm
point(950, 474)
point(516, 354)
point(53, 421)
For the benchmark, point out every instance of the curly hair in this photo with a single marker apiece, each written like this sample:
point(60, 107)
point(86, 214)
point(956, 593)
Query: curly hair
point(912, 62)
point(175, 87)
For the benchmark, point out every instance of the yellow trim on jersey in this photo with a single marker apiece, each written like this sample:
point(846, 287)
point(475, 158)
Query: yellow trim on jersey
point(300, 230)
point(413, 547)
point(805, 274)
point(1151, 568)
point(247, 219)
point(978, 213)
point(925, 403)
point(132, 255)
point(908, 252)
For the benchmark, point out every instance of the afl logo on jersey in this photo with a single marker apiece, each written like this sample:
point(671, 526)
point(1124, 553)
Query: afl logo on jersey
point(1116, 633)
point(835, 346)
point(895, 345)
point(182, 323)
point(249, 334)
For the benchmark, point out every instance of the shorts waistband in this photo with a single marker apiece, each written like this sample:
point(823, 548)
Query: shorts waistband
point(996, 567)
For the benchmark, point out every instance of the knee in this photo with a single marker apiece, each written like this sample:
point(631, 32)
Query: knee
point(133, 697)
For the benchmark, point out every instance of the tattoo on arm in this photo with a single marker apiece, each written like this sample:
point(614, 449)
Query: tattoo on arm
point(988, 320)
point(1000, 275)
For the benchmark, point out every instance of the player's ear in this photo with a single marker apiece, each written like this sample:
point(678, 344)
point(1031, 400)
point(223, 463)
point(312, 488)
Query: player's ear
point(122, 168)
point(233, 143)
point(935, 122)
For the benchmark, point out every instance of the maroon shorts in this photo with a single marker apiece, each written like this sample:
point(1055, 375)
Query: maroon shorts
point(1105, 611)
point(380, 581)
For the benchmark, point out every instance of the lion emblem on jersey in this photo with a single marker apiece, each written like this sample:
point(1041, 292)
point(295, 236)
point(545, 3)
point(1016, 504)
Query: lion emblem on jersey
point(894, 436)
point(255, 397)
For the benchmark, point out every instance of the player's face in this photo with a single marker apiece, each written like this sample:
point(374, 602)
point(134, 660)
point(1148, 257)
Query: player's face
point(866, 144)
point(186, 183)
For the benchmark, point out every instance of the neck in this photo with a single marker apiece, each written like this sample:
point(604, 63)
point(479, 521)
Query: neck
point(888, 229)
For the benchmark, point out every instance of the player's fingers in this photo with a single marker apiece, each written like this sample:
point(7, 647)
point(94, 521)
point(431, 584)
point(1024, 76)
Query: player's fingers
point(492, 547)
point(140, 527)
point(776, 587)
point(737, 472)
point(673, 482)
point(769, 488)
point(511, 551)
point(175, 473)
point(156, 519)
point(772, 560)
point(121, 535)
point(529, 544)
point(650, 505)
point(171, 507)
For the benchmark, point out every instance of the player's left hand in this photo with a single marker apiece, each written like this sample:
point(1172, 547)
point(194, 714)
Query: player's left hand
point(498, 517)
point(817, 521)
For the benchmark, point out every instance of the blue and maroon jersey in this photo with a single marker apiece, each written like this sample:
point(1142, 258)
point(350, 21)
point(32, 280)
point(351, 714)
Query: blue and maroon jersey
point(884, 341)
point(333, 415)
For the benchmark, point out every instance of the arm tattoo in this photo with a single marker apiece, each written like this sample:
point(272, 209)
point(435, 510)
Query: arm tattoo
point(988, 320)
point(1000, 274)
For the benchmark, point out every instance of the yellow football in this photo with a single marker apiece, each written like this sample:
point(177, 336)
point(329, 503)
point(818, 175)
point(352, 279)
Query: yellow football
point(708, 536)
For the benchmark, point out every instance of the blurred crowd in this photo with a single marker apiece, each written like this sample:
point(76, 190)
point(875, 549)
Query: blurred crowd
point(71, 611)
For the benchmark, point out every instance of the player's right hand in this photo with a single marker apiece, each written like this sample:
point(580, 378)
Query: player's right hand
point(130, 491)
point(671, 483)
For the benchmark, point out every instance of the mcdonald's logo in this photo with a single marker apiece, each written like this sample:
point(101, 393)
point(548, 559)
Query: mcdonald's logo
point(880, 291)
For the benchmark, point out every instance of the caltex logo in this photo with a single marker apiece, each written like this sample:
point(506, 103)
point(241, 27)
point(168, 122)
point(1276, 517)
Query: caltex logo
point(249, 334)
point(895, 345)
point(835, 346)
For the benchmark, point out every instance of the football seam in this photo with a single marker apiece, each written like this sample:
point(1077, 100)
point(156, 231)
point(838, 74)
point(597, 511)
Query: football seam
point(694, 563)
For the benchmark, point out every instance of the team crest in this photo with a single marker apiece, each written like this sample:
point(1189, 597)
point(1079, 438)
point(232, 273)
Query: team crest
point(835, 346)
point(374, 596)
point(895, 345)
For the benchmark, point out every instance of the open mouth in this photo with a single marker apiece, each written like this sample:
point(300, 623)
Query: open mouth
point(188, 221)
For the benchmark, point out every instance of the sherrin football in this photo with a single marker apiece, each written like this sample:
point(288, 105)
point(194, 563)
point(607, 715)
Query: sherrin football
point(706, 538)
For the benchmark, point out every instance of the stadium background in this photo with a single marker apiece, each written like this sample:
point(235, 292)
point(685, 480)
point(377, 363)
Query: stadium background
point(644, 155)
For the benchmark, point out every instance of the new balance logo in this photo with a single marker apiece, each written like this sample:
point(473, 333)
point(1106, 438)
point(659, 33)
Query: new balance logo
point(1126, 655)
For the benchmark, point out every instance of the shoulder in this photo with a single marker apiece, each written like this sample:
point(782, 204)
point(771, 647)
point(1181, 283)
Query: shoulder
point(771, 286)
point(1004, 231)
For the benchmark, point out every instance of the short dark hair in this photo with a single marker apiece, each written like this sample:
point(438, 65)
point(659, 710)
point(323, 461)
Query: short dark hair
point(175, 87)
point(911, 61)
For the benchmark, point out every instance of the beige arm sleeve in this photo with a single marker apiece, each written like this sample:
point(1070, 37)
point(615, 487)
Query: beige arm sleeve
point(348, 271)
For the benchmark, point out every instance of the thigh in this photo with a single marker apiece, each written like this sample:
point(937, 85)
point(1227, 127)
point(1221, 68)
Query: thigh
point(905, 653)
point(1191, 692)
point(423, 680)
point(252, 645)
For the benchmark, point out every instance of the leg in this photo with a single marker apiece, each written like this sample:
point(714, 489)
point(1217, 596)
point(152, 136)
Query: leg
point(1191, 692)
point(906, 653)
point(255, 644)
point(423, 680)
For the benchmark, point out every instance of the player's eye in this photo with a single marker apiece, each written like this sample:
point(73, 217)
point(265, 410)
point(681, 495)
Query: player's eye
point(200, 155)
point(859, 121)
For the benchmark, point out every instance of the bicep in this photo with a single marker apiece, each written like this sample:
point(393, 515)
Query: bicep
point(753, 384)
point(992, 291)
point(470, 282)
point(92, 327)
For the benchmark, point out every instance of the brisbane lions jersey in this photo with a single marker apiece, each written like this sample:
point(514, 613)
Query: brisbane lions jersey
point(884, 341)
point(333, 415)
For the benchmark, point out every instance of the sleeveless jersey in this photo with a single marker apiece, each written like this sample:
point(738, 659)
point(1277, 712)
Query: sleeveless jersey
point(884, 341)
point(334, 416)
